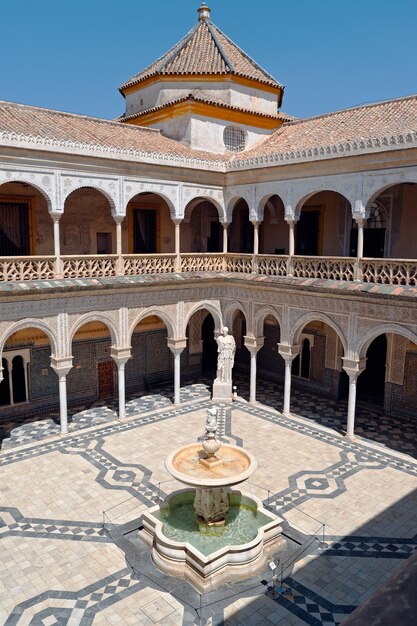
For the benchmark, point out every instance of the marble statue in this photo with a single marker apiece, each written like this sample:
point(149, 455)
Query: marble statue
point(226, 348)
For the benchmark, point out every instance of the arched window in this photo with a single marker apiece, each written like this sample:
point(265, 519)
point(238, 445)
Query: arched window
point(301, 363)
point(5, 385)
point(14, 387)
point(19, 379)
point(234, 138)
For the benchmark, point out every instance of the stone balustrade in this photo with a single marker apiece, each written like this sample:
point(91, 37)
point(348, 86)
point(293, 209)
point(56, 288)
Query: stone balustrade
point(402, 272)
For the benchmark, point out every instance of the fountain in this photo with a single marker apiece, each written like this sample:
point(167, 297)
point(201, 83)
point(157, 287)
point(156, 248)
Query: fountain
point(208, 533)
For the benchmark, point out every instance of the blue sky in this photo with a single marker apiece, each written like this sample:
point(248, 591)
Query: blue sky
point(330, 54)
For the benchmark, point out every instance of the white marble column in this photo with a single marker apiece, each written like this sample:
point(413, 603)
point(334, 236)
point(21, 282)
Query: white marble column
point(225, 233)
point(288, 353)
point(119, 219)
point(359, 251)
point(57, 244)
point(177, 223)
point(255, 246)
point(353, 368)
point(253, 344)
point(177, 346)
point(121, 356)
point(62, 366)
point(291, 245)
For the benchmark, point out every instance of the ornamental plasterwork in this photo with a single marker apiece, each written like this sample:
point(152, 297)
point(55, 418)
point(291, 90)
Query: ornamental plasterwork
point(166, 313)
point(108, 318)
point(242, 192)
point(43, 181)
point(262, 311)
point(167, 191)
point(374, 184)
point(47, 325)
point(108, 186)
point(300, 319)
point(213, 194)
point(304, 189)
point(365, 337)
point(231, 308)
point(212, 307)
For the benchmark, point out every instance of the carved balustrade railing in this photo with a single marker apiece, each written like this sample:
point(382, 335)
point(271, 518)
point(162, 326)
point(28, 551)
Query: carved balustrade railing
point(197, 262)
point(240, 263)
point(134, 264)
point(272, 265)
point(400, 272)
point(88, 266)
point(327, 267)
point(14, 269)
point(389, 271)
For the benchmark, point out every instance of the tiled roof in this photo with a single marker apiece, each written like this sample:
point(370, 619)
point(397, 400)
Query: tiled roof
point(390, 118)
point(204, 50)
point(198, 99)
point(33, 121)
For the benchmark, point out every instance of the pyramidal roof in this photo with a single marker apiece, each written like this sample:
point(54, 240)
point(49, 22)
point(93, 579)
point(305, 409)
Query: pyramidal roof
point(204, 50)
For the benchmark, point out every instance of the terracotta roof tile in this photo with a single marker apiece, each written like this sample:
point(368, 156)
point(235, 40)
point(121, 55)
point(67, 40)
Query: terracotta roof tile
point(204, 50)
point(382, 119)
point(68, 127)
point(199, 99)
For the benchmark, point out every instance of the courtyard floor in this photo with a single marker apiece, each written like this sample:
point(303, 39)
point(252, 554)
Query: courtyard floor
point(60, 566)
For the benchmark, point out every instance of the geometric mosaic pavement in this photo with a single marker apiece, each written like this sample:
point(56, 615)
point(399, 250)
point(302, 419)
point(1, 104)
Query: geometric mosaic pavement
point(348, 508)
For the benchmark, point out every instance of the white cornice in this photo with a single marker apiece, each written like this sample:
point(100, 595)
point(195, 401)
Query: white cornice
point(342, 149)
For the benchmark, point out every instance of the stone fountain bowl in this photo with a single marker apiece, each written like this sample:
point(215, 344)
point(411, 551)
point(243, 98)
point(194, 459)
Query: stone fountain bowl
point(234, 466)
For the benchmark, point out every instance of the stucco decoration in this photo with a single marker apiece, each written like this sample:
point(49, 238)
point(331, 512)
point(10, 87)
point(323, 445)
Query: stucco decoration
point(109, 187)
point(167, 314)
point(365, 340)
point(300, 319)
point(260, 316)
point(375, 184)
point(213, 307)
point(229, 313)
point(211, 194)
point(47, 325)
point(169, 192)
point(305, 189)
point(43, 181)
point(108, 318)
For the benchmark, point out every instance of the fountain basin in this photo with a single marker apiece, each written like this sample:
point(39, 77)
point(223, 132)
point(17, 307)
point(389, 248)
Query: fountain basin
point(210, 566)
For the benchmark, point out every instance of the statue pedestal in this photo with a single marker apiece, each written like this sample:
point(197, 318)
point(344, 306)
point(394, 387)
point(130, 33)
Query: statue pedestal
point(222, 391)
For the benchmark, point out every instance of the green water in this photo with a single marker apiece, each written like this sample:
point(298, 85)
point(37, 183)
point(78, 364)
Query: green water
point(179, 524)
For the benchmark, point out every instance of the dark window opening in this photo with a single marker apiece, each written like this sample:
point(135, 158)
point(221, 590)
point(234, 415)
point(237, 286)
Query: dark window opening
point(14, 229)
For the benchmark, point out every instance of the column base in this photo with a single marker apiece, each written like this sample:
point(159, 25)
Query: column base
point(222, 391)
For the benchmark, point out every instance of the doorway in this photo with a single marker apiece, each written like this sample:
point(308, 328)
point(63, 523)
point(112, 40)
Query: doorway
point(105, 379)
point(371, 383)
point(307, 241)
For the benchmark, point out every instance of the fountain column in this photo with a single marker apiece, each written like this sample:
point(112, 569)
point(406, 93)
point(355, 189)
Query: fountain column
point(253, 344)
point(121, 356)
point(177, 346)
point(288, 353)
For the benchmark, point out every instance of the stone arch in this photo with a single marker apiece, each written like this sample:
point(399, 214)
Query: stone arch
point(27, 180)
point(90, 185)
point(194, 200)
point(230, 311)
point(383, 329)
point(410, 178)
point(158, 312)
point(300, 201)
point(232, 204)
point(32, 323)
point(95, 317)
point(213, 309)
point(264, 200)
point(150, 189)
point(315, 316)
point(260, 319)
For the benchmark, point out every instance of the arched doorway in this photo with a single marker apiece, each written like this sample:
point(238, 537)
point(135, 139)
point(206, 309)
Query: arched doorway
point(150, 227)
point(26, 227)
point(87, 225)
point(93, 373)
point(201, 230)
point(371, 383)
point(324, 225)
point(209, 357)
point(152, 363)
point(273, 230)
point(241, 229)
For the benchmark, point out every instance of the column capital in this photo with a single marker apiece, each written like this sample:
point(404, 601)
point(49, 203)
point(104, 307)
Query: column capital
point(291, 221)
point(253, 344)
point(56, 215)
point(61, 365)
point(359, 219)
point(256, 222)
point(288, 352)
point(353, 367)
point(118, 218)
point(120, 355)
point(177, 345)
point(177, 220)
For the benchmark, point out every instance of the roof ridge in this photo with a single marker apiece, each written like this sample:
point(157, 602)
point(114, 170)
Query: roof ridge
point(220, 48)
point(353, 108)
point(77, 115)
point(259, 67)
